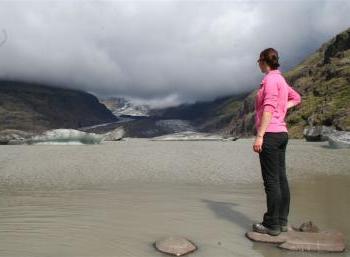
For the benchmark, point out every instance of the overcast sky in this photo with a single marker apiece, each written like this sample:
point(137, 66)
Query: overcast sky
point(160, 52)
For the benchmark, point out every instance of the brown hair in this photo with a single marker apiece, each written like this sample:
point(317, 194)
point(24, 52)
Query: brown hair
point(270, 56)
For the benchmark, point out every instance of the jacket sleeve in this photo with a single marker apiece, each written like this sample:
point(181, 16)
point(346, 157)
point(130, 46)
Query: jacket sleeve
point(270, 94)
point(293, 96)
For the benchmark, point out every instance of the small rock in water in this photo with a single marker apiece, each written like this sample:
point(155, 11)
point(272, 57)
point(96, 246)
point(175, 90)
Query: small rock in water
point(175, 245)
point(308, 227)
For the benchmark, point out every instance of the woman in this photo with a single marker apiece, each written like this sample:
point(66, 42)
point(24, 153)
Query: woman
point(273, 99)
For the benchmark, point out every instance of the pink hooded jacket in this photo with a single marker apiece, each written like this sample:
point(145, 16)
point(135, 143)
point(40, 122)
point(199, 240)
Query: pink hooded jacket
point(272, 96)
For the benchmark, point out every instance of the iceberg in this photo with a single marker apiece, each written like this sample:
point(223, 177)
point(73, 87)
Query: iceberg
point(114, 135)
point(66, 136)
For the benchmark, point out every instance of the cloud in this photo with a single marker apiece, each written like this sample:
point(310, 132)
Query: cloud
point(160, 52)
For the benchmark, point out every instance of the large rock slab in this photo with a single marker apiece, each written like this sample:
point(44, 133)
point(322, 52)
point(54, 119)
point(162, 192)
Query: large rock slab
point(328, 241)
point(339, 139)
point(265, 238)
point(14, 137)
point(325, 241)
point(318, 133)
point(175, 245)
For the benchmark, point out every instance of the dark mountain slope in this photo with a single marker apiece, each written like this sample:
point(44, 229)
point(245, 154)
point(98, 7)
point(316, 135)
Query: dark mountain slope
point(34, 107)
point(206, 116)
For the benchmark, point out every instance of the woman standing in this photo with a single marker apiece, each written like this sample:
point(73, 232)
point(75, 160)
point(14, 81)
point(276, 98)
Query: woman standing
point(273, 99)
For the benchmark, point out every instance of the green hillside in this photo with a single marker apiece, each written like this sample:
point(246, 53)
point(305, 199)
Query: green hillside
point(323, 80)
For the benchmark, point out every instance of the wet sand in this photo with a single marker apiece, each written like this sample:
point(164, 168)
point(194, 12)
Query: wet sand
point(115, 199)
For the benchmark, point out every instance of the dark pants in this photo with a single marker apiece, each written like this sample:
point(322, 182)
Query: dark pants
point(273, 169)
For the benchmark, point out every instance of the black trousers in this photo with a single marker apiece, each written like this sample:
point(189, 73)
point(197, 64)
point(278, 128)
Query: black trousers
point(273, 170)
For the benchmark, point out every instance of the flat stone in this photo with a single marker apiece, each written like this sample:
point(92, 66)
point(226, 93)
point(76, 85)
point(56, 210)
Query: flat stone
point(265, 238)
point(175, 245)
point(328, 241)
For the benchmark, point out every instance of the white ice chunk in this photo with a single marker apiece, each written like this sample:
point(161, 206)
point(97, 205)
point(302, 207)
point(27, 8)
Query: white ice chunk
point(66, 136)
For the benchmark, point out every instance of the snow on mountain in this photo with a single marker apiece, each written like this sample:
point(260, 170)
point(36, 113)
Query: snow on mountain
point(121, 106)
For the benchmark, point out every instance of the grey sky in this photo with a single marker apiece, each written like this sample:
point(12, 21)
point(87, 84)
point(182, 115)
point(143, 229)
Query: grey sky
point(160, 52)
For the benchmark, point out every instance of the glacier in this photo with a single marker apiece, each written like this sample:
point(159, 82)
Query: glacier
point(66, 136)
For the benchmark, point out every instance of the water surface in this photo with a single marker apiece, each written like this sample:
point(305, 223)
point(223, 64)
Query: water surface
point(115, 199)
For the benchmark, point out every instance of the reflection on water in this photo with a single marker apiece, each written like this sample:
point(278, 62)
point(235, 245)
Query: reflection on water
point(125, 219)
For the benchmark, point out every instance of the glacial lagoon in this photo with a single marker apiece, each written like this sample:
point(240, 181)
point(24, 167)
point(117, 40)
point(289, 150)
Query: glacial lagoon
point(117, 198)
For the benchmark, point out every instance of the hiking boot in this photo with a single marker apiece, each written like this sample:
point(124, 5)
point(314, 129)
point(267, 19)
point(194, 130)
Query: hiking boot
point(284, 228)
point(260, 228)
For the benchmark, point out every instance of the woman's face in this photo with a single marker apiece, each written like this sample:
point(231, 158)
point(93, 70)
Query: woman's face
point(263, 66)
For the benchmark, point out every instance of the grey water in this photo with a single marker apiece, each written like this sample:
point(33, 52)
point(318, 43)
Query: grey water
point(117, 198)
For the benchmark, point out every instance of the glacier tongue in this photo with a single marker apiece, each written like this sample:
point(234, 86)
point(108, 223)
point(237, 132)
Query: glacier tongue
point(66, 136)
point(121, 106)
point(190, 135)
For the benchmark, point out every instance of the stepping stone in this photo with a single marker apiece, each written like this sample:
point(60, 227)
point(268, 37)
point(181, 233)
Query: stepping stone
point(328, 241)
point(175, 245)
point(265, 238)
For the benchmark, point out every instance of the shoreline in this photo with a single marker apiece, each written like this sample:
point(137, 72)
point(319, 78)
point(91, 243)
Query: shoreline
point(193, 162)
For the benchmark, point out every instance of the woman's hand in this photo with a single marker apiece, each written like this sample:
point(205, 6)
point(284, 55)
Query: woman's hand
point(291, 104)
point(265, 120)
point(257, 147)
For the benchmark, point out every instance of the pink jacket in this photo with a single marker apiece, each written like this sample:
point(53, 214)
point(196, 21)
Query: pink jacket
point(272, 96)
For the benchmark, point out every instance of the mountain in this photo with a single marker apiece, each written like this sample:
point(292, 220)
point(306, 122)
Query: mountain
point(209, 116)
point(36, 107)
point(323, 81)
point(122, 107)
point(205, 116)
